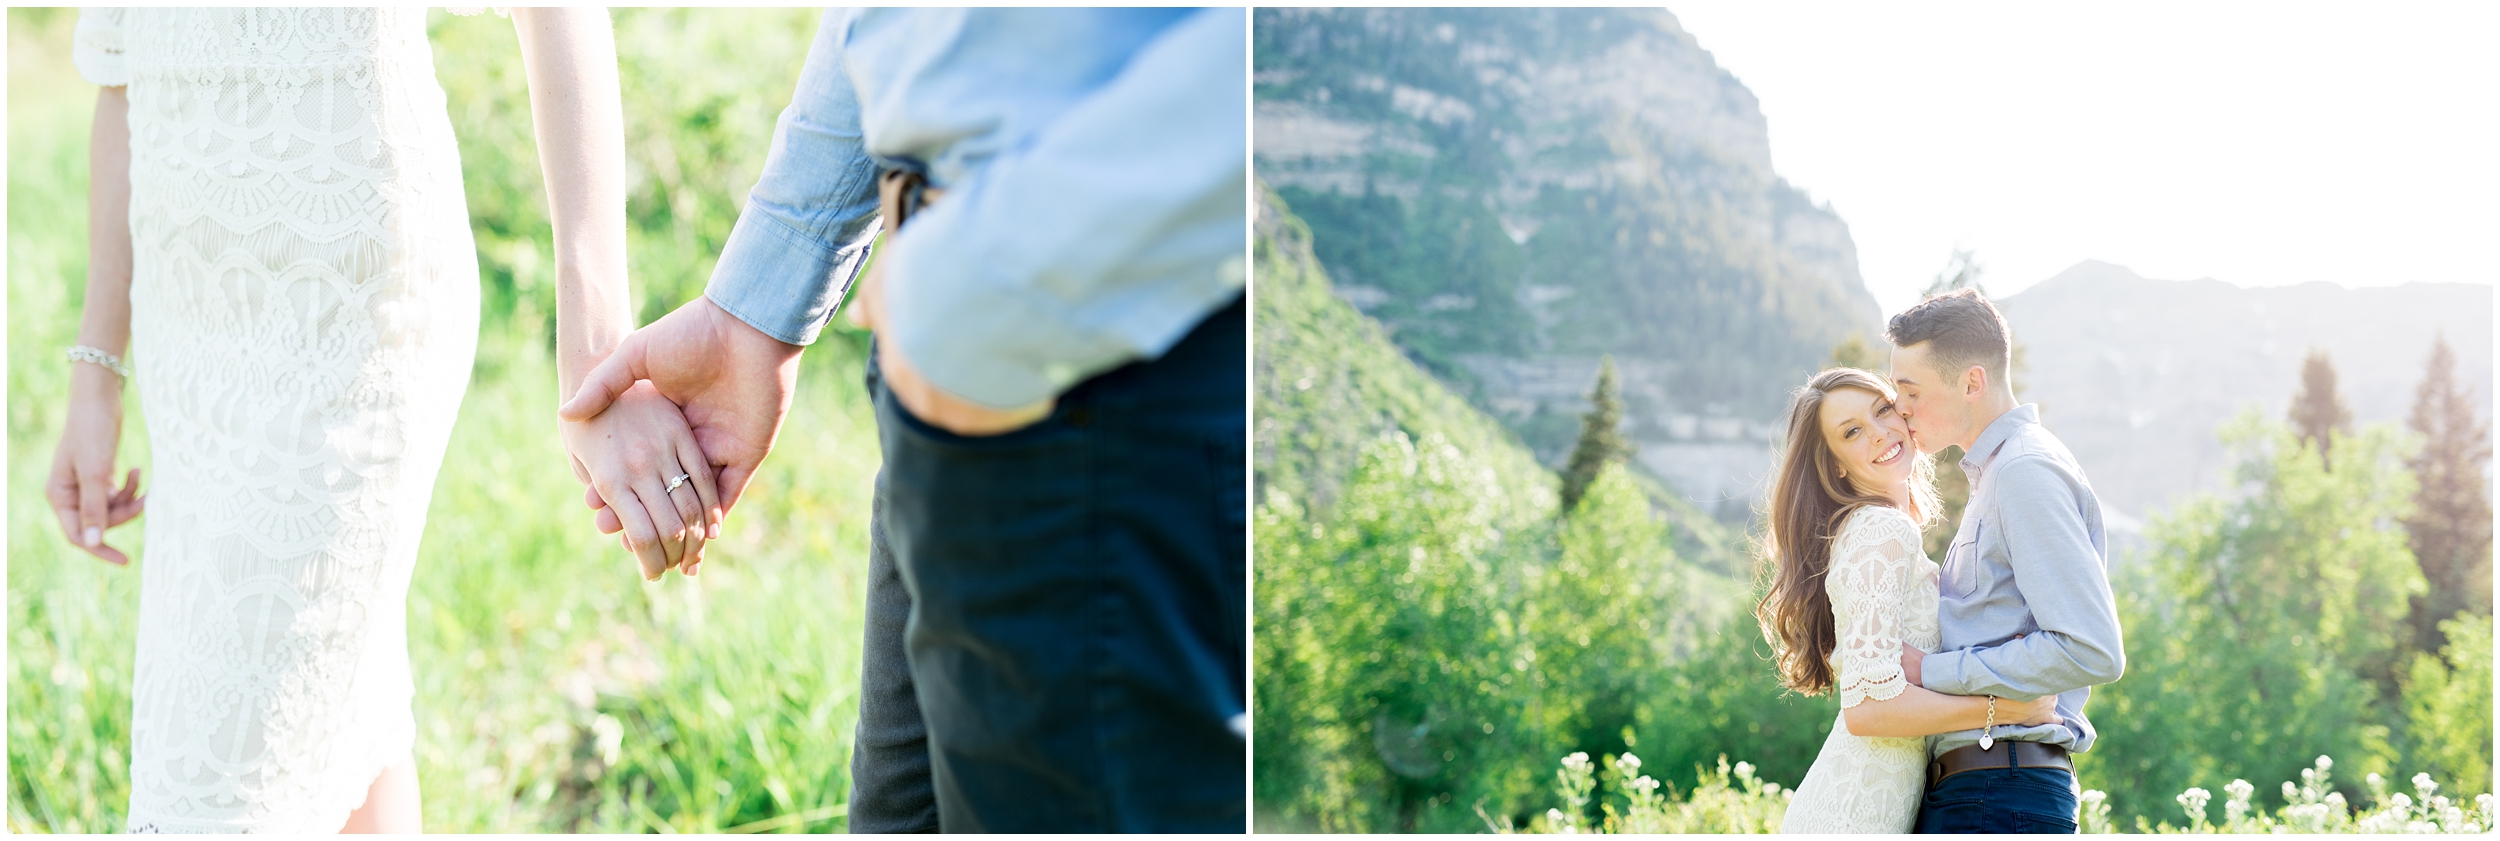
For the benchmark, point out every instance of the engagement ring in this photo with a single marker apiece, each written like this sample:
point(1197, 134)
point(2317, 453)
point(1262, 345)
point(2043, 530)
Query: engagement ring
point(680, 480)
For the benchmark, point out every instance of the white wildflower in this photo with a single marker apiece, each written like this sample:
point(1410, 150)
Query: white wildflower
point(1628, 763)
point(1744, 769)
point(2237, 805)
point(2194, 800)
point(2424, 784)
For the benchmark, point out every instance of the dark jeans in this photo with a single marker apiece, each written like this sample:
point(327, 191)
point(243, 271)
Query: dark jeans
point(2001, 800)
point(1076, 634)
point(890, 786)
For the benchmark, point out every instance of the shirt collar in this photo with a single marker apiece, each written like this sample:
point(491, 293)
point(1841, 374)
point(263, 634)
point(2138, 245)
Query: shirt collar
point(1994, 437)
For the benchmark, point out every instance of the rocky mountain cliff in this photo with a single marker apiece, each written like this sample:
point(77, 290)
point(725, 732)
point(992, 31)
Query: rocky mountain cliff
point(2135, 374)
point(1515, 193)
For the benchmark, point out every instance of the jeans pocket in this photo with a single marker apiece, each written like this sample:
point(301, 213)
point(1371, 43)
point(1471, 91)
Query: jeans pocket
point(2040, 824)
point(1953, 812)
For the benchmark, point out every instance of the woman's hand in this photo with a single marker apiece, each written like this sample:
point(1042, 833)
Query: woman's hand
point(2032, 713)
point(628, 454)
point(81, 486)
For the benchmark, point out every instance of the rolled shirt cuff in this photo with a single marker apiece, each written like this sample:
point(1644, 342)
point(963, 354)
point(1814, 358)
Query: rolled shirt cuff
point(1945, 672)
point(780, 281)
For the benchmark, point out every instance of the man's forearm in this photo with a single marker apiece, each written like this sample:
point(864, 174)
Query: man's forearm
point(2042, 663)
point(781, 272)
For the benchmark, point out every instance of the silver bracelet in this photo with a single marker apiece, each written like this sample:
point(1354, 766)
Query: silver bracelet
point(83, 353)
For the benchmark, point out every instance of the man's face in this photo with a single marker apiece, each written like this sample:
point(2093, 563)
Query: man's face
point(1932, 403)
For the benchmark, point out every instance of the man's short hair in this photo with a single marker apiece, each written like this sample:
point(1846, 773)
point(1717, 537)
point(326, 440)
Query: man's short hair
point(1966, 330)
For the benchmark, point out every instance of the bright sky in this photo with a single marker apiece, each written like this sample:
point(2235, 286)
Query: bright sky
point(2256, 144)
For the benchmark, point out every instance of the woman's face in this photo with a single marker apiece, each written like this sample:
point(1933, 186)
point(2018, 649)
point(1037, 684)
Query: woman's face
point(1868, 436)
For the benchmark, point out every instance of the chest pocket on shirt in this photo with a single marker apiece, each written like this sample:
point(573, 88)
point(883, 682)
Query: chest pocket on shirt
point(1961, 562)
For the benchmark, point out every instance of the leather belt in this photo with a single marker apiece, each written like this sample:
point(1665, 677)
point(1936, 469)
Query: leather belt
point(2022, 755)
point(901, 193)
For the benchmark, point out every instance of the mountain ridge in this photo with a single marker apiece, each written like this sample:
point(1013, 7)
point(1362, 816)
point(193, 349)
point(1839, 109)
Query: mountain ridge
point(2135, 373)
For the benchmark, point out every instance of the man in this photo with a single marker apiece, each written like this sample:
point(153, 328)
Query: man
point(2025, 607)
point(1055, 631)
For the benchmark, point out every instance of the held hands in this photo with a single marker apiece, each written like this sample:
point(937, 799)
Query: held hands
point(731, 384)
point(630, 457)
point(81, 486)
point(932, 405)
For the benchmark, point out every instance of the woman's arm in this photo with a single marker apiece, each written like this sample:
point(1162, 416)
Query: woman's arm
point(81, 485)
point(105, 325)
point(570, 57)
point(1874, 567)
point(1919, 711)
point(628, 454)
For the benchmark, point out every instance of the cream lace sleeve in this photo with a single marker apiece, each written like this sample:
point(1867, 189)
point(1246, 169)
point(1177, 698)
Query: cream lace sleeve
point(1873, 566)
point(96, 47)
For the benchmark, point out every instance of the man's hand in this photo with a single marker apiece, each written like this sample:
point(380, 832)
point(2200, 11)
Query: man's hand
point(931, 404)
point(733, 382)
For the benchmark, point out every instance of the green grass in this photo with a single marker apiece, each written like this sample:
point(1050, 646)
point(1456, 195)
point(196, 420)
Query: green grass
point(555, 690)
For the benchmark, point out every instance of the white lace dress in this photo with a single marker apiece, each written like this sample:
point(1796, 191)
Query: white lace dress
point(303, 316)
point(1883, 591)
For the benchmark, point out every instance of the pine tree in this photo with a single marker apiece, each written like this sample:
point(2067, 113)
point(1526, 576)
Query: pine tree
point(2318, 411)
point(2450, 528)
point(1601, 437)
point(1853, 352)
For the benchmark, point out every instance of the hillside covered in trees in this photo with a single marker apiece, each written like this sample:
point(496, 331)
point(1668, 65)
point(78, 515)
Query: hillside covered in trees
point(1516, 193)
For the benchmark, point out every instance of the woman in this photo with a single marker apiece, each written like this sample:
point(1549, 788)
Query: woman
point(277, 232)
point(1849, 588)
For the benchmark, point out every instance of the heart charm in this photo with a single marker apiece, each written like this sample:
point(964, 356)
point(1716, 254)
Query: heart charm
point(1986, 741)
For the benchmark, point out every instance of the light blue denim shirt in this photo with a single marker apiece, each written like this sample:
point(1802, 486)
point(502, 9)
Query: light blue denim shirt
point(1095, 169)
point(2029, 559)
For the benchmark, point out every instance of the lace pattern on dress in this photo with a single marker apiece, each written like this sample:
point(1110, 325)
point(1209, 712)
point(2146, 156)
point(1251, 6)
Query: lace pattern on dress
point(1883, 592)
point(303, 320)
point(1872, 571)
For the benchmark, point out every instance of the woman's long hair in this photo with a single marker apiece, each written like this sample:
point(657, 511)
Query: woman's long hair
point(1809, 500)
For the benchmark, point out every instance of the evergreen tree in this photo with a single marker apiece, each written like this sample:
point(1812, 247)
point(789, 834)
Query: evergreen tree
point(1853, 352)
point(2450, 528)
point(2318, 410)
point(1601, 437)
